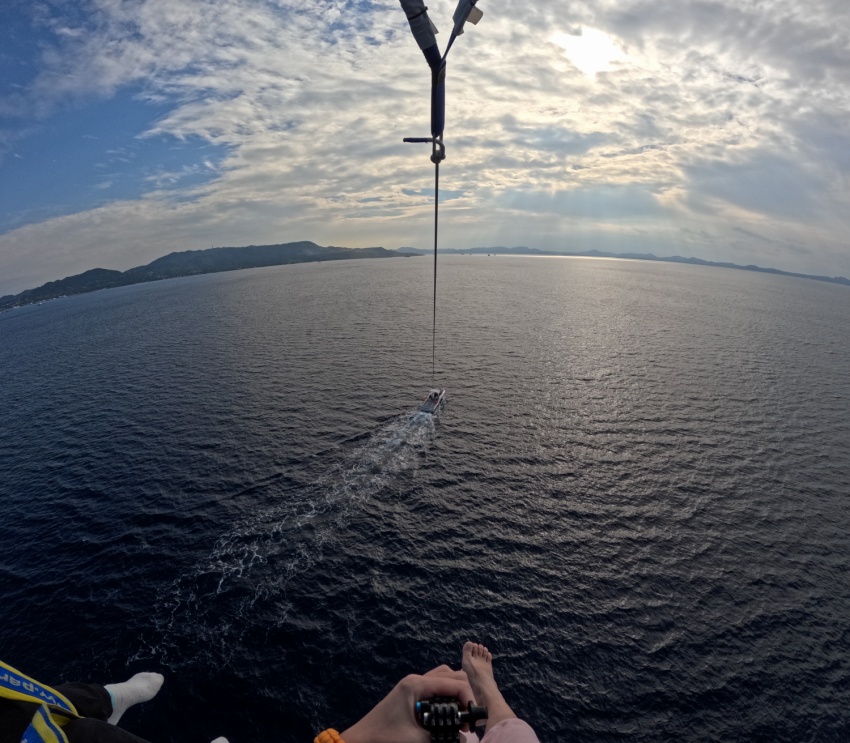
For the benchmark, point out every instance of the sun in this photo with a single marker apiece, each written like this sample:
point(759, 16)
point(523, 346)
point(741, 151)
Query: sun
point(590, 50)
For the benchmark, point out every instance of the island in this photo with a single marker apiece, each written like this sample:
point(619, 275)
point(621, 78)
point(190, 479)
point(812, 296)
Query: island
point(191, 263)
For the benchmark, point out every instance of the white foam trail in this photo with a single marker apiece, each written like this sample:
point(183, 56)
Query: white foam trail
point(210, 607)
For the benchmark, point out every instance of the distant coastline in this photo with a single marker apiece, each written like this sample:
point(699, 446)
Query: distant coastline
point(216, 260)
point(192, 263)
point(522, 250)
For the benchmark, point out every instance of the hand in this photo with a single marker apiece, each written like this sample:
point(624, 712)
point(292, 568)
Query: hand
point(393, 720)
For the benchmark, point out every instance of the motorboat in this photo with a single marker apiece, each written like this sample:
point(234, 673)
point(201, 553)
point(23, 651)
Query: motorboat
point(434, 401)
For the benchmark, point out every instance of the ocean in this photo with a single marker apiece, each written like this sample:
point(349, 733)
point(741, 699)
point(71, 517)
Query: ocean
point(637, 496)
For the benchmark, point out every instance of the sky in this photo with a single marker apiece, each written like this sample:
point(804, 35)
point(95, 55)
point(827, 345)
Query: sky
point(709, 128)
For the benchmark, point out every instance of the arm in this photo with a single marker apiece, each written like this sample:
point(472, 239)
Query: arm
point(392, 720)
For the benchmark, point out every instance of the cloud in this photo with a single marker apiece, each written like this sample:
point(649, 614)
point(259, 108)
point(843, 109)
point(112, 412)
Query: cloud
point(760, 182)
point(696, 118)
point(598, 203)
point(590, 50)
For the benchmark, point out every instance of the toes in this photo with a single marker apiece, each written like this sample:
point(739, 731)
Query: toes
point(476, 650)
point(481, 652)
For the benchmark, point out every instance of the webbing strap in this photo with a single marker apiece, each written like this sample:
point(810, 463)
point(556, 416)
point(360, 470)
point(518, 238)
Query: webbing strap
point(416, 15)
point(43, 729)
point(20, 687)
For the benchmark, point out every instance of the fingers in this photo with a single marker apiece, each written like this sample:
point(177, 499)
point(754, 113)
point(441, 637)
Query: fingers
point(446, 672)
point(439, 671)
point(454, 685)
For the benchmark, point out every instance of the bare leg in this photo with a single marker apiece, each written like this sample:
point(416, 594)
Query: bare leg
point(478, 664)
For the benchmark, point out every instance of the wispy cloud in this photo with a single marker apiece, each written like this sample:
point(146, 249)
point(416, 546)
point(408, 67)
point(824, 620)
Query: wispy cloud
point(674, 121)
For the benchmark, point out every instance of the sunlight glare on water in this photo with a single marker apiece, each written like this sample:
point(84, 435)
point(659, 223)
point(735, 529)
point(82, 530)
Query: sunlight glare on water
point(637, 496)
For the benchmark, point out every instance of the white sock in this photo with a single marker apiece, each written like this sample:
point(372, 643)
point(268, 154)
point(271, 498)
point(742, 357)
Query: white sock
point(141, 688)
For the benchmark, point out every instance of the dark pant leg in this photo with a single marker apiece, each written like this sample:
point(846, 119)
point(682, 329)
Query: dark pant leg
point(87, 730)
point(90, 700)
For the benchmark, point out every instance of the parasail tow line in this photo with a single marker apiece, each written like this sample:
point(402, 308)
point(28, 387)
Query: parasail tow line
point(424, 32)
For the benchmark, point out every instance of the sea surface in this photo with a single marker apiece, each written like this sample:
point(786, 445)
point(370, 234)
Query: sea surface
point(637, 496)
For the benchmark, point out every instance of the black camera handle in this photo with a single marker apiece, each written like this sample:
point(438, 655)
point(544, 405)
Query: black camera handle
point(442, 717)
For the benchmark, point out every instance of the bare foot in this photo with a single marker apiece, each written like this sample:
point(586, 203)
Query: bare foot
point(477, 661)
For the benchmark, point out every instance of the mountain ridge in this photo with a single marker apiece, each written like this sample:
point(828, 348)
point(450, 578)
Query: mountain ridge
point(191, 263)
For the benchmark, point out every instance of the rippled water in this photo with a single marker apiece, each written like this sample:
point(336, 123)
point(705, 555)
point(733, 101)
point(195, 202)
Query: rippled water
point(637, 496)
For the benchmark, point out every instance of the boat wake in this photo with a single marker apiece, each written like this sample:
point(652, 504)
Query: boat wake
point(241, 584)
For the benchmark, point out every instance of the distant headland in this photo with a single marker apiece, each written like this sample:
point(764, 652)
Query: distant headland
point(215, 260)
point(192, 263)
